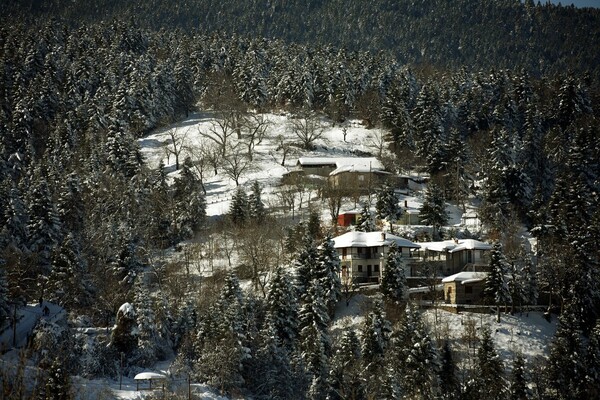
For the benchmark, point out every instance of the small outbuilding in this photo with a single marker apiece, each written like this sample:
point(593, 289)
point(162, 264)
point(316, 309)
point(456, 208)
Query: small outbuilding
point(154, 381)
point(464, 287)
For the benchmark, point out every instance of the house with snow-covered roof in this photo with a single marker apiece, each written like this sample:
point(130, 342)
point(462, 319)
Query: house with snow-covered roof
point(453, 256)
point(363, 254)
point(350, 174)
point(465, 287)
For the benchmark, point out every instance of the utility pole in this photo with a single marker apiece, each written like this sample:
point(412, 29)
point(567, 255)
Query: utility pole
point(121, 373)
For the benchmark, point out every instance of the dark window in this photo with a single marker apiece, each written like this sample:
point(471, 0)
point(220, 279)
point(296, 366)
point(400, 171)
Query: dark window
point(468, 289)
point(376, 268)
point(359, 250)
point(360, 268)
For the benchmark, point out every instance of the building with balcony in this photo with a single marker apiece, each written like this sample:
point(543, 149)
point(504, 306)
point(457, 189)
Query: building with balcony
point(452, 256)
point(363, 254)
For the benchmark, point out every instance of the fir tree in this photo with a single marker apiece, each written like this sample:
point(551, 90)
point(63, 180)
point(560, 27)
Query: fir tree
point(327, 271)
point(345, 378)
point(375, 337)
point(256, 207)
point(366, 223)
point(433, 212)
point(415, 357)
point(67, 284)
point(489, 381)
point(496, 288)
point(387, 205)
point(447, 375)
point(592, 363)
point(282, 308)
point(4, 299)
point(393, 282)
point(147, 335)
point(518, 379)
point(238, 211)
point(566, 368)
point(58, 385)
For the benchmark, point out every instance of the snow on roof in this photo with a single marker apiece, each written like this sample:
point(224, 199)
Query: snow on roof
point(127, 309)
point(466, 277)
point(368, 163)
point(370, 239)
point(357, 168)
point(452, 246)
point(149, 375)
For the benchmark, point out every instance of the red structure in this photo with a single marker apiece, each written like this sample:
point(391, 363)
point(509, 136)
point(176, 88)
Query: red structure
point(348, 218)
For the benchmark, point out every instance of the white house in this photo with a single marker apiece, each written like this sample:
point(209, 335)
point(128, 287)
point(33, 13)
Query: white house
point(363, 254)
point(453, 256)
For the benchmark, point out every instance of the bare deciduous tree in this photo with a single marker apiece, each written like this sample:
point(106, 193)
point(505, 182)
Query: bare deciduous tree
point(219, 132)
point(308, 129)
point(256, 127)
point(236, 163)
point(285, 147)
point(176, 145)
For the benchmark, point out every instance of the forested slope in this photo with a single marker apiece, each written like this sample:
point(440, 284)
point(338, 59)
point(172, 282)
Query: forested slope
point(465, 33)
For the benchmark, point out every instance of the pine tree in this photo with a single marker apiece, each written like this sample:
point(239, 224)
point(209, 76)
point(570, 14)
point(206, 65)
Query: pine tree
point(393, 282)
point(256, 207)
point(366, 223)
point(566, 369)
point(489, 381)
point(238, 211)
point(592, 363)
point(58, 385)
point(448, 374)
point(305, 265)
point(67, 284)
point(327, 271)
point(190, 204)
point(282, 308)
point(4, 299)
point(387, 205)
point(496, 289)
point(123, 336)
point(345, 378)
point(518, 382)
point(433, 212)
point(415, 357)
point(375, 337)
point(147, 338)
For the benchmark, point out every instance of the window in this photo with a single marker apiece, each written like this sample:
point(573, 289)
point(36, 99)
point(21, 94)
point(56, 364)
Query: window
point(360, 268)
point(361, 178)
point(468, 289)
point(376, 268)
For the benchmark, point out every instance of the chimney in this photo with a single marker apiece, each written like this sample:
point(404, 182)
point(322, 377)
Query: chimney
point(405, 203)
point(382, 235)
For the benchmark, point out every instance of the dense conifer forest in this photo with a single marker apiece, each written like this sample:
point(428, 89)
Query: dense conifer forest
point(493, 100)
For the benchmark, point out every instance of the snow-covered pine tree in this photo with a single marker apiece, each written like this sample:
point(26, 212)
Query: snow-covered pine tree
point(305, 265)
point(44, 225)
point(448, 374)
point(123, 336)
point(414, 357)
point(565, 371)
point(489, 381)
point(4, 299)
point(282, 308)
point(238, 211)
point(433, 212)
point(519, 389)
point(345, 378)
point(327, 271)
point(256, 207)
point(387, 206)
point(147, 332)
point(375, 337)
point(190, 205)
point(496, 289)
point(393, 282)
point(58, 383)
point(68, 284)
point(366, 223)
point(592, 363)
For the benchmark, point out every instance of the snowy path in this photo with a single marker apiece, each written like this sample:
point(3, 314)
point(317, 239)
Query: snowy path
point(27, 317)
